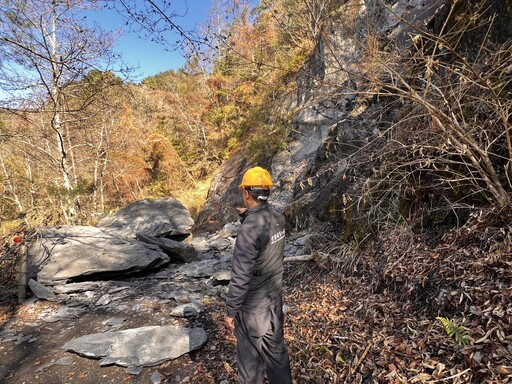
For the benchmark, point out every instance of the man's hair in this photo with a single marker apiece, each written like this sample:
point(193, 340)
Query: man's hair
point(260, 194)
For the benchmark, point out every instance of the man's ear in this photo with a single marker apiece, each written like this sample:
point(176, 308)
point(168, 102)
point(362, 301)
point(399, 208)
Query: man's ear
point(248, 196)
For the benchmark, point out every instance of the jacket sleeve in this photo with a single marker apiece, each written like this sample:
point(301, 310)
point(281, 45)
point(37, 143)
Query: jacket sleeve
point(244, 260)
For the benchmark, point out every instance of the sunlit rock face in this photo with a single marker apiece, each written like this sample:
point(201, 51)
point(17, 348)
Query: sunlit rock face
point(334, 112)
point(148, 217)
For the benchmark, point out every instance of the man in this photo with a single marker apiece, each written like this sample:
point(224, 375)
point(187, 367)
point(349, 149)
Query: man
point(254, 299)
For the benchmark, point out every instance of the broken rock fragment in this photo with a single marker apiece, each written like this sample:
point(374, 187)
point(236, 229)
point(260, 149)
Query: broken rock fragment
point(145, 346)
point(175, 249)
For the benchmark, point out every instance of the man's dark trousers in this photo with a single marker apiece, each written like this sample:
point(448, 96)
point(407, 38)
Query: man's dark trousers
point(260, 347)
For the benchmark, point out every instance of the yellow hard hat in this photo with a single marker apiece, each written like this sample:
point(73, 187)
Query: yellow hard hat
point(256, 177)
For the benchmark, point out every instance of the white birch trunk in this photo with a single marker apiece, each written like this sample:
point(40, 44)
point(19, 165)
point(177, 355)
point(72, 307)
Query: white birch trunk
point(97, 178)
point(55, 93)
point(10, 185)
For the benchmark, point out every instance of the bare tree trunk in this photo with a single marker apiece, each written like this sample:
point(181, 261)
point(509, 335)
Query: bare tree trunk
point(30, 178)
point(99, 167)
point(10, 185)
point(56, 96)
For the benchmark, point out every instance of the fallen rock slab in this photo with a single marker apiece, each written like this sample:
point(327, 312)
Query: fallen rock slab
point(75, 253)
point(175, 249)
point(65, 313)
point(41, 291)
point(79, 287)
point(136, 347)
point(187, 310)
point(198, 269)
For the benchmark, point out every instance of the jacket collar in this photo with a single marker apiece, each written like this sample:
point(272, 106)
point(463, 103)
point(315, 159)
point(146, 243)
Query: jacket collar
point(255, 209)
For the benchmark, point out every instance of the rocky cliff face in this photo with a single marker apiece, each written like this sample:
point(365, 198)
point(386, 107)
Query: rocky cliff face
point(336, 123)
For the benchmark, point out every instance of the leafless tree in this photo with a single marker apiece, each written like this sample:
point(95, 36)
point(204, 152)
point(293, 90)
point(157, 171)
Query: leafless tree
point(45, 48)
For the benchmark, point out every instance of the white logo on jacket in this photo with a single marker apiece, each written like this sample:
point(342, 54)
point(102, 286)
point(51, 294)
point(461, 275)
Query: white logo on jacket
point(277, 236)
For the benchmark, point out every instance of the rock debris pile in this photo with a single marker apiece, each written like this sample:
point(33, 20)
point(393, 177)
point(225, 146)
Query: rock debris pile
point(122, 274)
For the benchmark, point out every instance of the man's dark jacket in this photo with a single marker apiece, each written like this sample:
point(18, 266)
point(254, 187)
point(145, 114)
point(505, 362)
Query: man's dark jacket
point(257, 269)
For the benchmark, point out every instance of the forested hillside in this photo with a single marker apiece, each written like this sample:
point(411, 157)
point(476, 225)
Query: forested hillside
point(386, 125)
point(79, 139)
point(432, 102)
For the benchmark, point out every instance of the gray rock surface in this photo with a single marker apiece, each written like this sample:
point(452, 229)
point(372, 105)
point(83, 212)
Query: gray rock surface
point(145, 346)
point(78, 287)
point(174, 249)
point(41, 291)
point(78, 251)
point(148, 217)
point(204, 268)
point(188, 309)
point(65, 313)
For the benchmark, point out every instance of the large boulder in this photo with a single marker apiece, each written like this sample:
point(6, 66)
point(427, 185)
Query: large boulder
point(75, 253)
point(148, 217)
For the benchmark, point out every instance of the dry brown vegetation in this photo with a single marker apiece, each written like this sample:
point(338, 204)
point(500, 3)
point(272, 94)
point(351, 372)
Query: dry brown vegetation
point(378, 322)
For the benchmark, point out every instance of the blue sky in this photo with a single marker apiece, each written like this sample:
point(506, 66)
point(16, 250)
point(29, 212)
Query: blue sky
point(150, 57)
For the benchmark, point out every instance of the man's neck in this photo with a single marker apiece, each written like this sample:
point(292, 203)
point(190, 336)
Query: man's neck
point(252, 203)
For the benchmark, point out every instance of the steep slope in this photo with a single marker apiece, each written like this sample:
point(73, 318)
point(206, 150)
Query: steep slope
point(353, 98)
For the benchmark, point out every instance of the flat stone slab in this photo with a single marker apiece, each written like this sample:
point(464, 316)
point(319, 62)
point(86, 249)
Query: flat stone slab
point(75, 252)
point(203, 268)
point(41, 291)
point(149, 217)
point(79, 287)
point(136, 347)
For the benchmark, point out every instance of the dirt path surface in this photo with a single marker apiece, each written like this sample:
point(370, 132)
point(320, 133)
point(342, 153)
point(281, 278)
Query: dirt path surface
point(37, 361)
point(38, 356)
